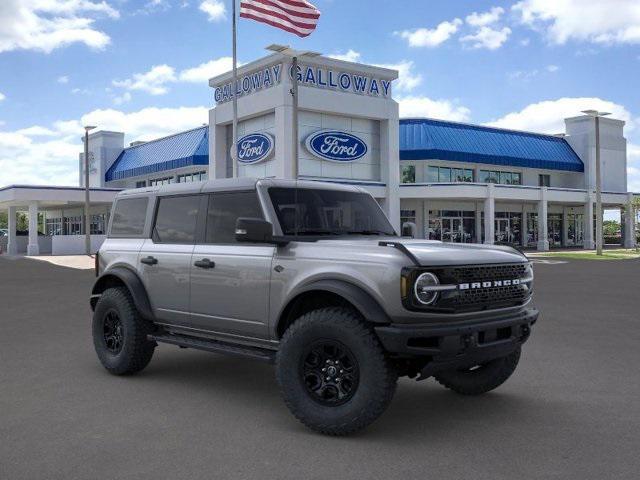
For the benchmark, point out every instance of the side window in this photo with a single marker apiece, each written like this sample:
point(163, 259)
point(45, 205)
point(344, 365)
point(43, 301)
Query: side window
point(177, 219)
point(129, 216)
point(224, 210)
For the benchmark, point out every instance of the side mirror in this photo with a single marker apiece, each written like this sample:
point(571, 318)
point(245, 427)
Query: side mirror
point(254, 230)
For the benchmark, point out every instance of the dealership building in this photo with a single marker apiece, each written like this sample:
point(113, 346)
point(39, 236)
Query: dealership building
point(434, 179)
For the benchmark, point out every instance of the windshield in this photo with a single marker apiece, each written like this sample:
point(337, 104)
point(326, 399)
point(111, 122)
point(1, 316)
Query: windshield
point(306, 211)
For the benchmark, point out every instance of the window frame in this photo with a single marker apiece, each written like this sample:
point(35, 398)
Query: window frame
point(112, 218)
point(199, 232)
point(203, 239)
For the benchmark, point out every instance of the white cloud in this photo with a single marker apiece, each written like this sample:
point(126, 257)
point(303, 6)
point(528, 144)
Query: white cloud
point(2, 96)
point(45, 25)
point(215, 10)
point(486, 18)
point(526, 75)
point(154, 81)
point(420, 106)
point(203, 72)
point(525, 42)
point(63, 79)
point(548, 116)
point(487, 37)
point(424, 37)
point(349, 56)
point(22, 151)
point(120, 99)
point(596, 21)
point(407, 78)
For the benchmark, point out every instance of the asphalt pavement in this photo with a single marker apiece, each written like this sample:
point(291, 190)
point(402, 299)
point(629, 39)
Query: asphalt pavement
point(571, 410)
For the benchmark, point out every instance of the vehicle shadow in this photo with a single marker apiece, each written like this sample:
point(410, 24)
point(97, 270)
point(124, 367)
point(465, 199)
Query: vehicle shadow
point(418, 409)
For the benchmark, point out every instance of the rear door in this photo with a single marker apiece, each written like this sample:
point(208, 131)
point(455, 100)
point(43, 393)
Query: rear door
point(230, 280)
point(165, 258)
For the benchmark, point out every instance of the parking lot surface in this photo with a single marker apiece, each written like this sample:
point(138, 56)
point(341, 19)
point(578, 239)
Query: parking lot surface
point(571, 410)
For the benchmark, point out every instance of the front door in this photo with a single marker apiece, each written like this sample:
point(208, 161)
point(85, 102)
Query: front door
point(165, 259)
point(230, 280)
point(503, 233)
point(452, 230)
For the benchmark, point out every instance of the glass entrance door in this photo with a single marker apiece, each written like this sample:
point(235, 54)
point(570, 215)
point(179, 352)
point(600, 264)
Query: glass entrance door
point(452, 230)
point(503, 232)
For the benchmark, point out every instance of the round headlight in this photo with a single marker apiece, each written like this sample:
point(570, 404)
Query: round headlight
point(421, 288)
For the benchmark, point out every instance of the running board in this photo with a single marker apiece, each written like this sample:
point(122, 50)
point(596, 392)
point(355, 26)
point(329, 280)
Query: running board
point(215, 346)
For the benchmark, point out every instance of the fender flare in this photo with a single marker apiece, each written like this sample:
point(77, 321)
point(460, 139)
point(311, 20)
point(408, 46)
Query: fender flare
point(133, 283)
point(357, 296)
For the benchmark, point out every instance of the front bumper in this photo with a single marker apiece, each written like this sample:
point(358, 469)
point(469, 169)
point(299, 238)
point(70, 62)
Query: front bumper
point(447, 347)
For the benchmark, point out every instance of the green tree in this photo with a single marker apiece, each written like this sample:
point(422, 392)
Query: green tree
point(611, 228)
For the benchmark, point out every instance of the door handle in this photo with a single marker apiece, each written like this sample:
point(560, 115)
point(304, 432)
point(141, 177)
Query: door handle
point(204, 263)
point(149, 260)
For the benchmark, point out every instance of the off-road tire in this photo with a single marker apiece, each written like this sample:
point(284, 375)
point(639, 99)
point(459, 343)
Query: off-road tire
point(136, 351)
point(483, 379)
point(376, 376)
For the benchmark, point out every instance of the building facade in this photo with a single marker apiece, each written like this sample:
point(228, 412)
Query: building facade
point(435, 179)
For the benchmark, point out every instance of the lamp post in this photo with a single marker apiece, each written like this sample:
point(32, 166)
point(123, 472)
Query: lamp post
point(87, 218)
point(596, 114)
point(294, 55)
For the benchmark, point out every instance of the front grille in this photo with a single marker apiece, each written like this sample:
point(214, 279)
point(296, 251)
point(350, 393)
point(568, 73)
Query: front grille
point(486, 297)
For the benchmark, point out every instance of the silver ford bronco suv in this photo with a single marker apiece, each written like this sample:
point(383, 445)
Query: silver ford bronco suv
point(312, 277)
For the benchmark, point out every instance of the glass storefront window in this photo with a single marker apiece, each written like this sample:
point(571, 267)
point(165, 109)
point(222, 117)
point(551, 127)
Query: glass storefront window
point(447, 174)
point(575, 229)
point(532, 229)
point(452, 226)
point(504, 178)
point(407, 216)
point(408, 174)
point(508, 228)
point(554, 229)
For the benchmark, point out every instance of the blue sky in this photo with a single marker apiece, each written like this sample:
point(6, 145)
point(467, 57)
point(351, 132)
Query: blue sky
point(142, 66)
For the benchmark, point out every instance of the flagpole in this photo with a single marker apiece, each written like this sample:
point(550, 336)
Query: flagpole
point(294, 93)
point(234, 140)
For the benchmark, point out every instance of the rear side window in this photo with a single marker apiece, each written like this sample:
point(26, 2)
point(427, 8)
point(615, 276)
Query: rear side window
point(177, 219)
point(129, 215)
point(224, 209)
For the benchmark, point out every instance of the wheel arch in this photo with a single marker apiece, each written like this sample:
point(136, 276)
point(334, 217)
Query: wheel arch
point(123, 277)
point(324, 293)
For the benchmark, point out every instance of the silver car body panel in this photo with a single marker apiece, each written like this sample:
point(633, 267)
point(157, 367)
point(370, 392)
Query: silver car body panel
point(243, 297)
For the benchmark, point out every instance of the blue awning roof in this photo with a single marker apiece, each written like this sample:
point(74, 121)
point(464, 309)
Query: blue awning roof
point(183, 149)
point(427, 139)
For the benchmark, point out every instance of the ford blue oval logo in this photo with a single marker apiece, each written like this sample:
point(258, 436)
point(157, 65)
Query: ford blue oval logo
point(336, 146)
point(255, 147)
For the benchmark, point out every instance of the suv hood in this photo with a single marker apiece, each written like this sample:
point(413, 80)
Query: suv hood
point(435, 253)
point(431, 253)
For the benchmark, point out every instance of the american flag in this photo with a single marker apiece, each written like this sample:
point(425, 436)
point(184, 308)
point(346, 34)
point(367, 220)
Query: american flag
point(294, 16)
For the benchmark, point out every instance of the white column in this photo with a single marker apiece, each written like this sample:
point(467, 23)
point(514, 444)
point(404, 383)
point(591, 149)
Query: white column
point(12, 245)
point(478, 238)
point(284, 140)
point(424, 234)
point(629, 224)
point(589, 242)
point(33, 248)
point(489, 216)
point(543, 240)
point(389, 161)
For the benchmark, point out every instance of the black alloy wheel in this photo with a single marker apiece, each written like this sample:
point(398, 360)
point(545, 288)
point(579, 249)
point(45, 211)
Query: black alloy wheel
point(112, 332)
point(329, 372)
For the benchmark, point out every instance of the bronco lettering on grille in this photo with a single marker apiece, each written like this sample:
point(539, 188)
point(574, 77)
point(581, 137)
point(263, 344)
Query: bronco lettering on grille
point(493, 283)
